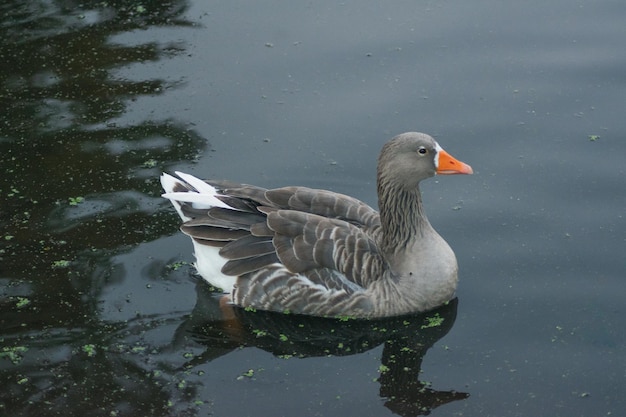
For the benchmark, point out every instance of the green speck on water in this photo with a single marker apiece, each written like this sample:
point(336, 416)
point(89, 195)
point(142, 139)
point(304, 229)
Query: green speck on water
point(434, 321)
point(150, 163)
point(177, 265)
point(61, 263)
point(22, 302)
point(74, 201)
point(259, 333)
point(13, 353)
point(593, 138)
point(248, 374)
point(90, 350)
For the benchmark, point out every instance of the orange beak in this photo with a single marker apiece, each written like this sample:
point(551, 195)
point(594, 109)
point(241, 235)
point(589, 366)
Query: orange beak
point(449, 165)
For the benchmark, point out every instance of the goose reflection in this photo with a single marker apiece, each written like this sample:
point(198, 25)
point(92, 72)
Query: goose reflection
point(223, 328)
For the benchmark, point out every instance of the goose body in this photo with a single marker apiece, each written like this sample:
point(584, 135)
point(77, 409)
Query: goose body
point(322, 253)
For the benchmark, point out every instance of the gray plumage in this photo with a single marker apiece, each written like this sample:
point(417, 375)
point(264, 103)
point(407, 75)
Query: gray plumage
point(322, 253)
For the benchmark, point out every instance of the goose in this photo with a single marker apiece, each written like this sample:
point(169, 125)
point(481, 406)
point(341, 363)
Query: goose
point(316, 252)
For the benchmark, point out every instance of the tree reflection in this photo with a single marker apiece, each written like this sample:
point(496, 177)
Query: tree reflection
point(56, 139)
point(76, 189)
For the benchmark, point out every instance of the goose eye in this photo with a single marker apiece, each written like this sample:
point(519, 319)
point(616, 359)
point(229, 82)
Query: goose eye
point(422, 151)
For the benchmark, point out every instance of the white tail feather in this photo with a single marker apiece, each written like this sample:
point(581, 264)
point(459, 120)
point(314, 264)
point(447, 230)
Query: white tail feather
point(201, 186)
point(168, 182)
point(201, 201)
point(200, 195)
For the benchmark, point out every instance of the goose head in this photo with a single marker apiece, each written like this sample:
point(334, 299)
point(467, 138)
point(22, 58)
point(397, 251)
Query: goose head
point(412, 157)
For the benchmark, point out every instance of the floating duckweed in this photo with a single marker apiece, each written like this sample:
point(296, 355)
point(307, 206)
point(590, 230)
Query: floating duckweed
point(177, 265)
point(22, 302)
point(90, 350)
point(63, 263)
point(248, 374)
point(13, 353)
point(74, 201)
point(150, 163)
point(434, 321)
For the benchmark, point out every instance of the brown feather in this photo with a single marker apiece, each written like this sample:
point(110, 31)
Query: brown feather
point(237, 267)
point(247, 246)
point(213, 233)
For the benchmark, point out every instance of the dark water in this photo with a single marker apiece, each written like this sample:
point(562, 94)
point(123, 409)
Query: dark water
point(100, 312)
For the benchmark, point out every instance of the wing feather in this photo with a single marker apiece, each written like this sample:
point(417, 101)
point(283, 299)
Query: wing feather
point(307, 241)
point(243, 266)
point(247, 246)
point(324, 203)
point(293, 248)
point(276, 289)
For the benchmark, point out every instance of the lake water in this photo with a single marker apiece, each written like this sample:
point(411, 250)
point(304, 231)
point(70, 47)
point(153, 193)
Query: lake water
point(101, 313)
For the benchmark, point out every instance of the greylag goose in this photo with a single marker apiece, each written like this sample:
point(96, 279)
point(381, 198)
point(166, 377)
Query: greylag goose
point(317, 252)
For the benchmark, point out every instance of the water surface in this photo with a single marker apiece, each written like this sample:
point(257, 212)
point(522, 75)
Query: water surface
point(101, 313)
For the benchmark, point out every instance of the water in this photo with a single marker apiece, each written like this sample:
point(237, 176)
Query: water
point(101, 313)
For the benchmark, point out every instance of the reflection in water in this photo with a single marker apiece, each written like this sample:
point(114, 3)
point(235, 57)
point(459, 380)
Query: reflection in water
point(57, 138)
point(75, 190)
point(406, 340)
point(78, 190)
point(60, 151)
